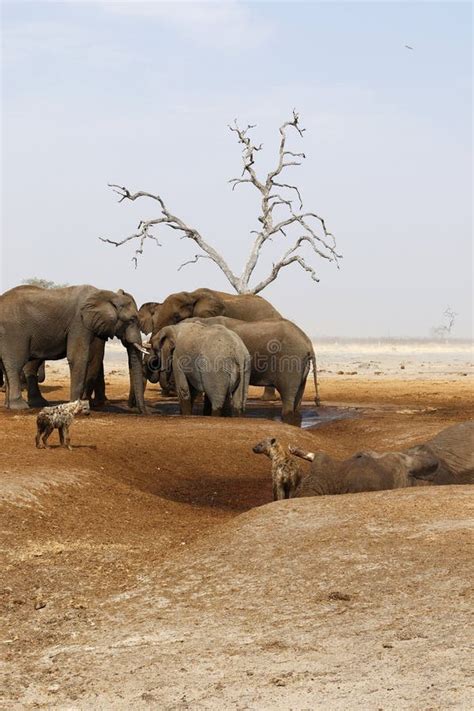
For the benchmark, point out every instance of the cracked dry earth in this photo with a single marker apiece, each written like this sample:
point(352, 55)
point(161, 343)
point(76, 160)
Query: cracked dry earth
point(147, 568)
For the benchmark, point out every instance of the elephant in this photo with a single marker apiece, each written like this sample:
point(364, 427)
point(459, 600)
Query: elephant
point(447, 458)
point(205, 359)
point(281, 356)
point(204, 303)
point(49, 324)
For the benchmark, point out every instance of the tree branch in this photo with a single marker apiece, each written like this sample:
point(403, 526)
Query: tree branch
point(193, 261)
point(273, 195)
point(175, 223)
point(280, 265)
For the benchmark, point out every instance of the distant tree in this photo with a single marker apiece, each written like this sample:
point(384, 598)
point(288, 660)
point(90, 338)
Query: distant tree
point(278, 218)
point(444, 330)
point(43, 283)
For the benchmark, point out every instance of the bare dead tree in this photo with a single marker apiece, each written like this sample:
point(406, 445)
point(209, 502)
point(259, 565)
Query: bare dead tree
point(444, 330)
point(277, 198)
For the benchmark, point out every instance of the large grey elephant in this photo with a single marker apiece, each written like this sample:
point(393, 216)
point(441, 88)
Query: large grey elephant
point(34, 372)
point(281, 354)
point(447, 458)
point(204, 303)
point(204, 359)
point(52, 324)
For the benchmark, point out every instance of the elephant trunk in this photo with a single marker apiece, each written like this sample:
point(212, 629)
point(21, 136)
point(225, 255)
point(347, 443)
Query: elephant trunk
point(152, 365)
point(164, 380)
point(136, 377)
point(133, 343)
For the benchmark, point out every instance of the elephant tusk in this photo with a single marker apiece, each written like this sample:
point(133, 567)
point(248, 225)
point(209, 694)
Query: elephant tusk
point(140, 348)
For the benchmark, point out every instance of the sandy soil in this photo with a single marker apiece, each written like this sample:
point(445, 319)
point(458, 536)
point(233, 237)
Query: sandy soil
point(146, 568)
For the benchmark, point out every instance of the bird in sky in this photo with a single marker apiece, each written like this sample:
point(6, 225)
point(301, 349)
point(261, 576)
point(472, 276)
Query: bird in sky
point(408, 46)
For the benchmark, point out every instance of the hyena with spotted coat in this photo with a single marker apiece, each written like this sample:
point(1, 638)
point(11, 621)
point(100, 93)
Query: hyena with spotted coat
point(59, 417)
point(286, 474)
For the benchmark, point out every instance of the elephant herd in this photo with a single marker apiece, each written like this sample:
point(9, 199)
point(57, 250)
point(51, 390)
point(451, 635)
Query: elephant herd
point(211, 343)
point(202, 342)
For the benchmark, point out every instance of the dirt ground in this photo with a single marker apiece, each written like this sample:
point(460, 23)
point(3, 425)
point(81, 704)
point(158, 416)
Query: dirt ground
point(147, 568)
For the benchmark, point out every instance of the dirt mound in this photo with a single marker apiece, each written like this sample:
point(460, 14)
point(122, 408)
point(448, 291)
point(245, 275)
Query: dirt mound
point(139, 572)
point(348, 602)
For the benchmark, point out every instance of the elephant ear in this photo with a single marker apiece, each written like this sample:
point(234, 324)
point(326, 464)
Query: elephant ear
point(168, 332)
point(208, 304)
point(100, 315)
point(422, 463)
point(146, 314)
point(121, 292)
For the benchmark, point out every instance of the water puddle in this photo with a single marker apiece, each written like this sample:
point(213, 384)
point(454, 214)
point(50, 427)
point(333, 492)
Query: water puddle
point(312, 416)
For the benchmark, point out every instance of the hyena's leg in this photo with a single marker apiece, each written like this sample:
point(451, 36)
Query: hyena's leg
point(46, 433)
point(37, 438)
point(61, 435)
point(275, 491)
point(67, 437)
point(281, 493)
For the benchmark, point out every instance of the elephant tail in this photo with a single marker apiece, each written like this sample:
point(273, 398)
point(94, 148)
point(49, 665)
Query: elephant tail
point(239, 398)
point(317, 399)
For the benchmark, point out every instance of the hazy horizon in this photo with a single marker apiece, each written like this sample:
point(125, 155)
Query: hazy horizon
point(141, 94)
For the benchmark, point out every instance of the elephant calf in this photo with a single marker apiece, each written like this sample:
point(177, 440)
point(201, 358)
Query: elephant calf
point(447, 458)
point(204, 359)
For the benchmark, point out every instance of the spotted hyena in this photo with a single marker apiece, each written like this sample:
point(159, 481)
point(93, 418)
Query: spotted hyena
point(59, 417)
point(286, 474)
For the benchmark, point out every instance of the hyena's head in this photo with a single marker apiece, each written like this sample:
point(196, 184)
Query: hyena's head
point(268, 446)
point(82, 406)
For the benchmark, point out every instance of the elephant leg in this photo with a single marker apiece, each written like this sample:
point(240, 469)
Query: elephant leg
point(99, 388)
point(94, 389)
point(132, 400)
point(194, 393)
point(185, 406)
point(32, 372)
point(218, 405)
point(289, 414)
point(227, 408)
point(77, 356)
point(35, 398)
point(41, 372)
point(184, 393)
point(13, 397)
point(207, 408)
point(269, 394)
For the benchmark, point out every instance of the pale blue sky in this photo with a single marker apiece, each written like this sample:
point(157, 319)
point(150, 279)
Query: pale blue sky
point(141, 94)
